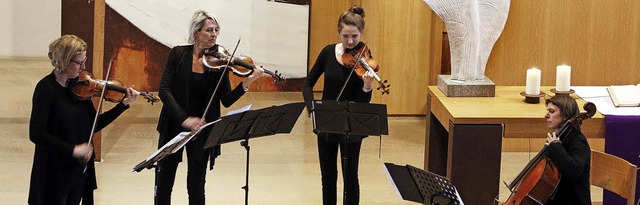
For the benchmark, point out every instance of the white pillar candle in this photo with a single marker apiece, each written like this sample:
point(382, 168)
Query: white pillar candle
point(563, 78)
point(533, 81)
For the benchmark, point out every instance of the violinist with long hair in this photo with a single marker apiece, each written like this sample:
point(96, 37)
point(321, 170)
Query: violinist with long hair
point(329, 63)
point(60, 127)
point(571, 154)
point(185, 90)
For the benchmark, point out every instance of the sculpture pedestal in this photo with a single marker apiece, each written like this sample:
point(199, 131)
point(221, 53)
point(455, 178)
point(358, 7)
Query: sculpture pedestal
point(476, 88)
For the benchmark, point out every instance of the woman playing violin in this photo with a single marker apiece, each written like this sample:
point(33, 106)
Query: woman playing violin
point(60, 127)
point(571, 154)
point(185, 90)
point(329, 62)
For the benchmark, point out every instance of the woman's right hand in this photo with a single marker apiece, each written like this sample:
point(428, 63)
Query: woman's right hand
point(83, 151)
point(192, 123)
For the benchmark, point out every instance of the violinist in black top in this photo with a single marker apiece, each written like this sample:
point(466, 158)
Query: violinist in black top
point(571, 154)
point(60, 127)
point(185, 90)
point(329, 62)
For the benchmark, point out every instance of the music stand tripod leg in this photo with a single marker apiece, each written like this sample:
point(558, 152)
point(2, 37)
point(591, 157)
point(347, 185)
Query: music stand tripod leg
point(245, 144)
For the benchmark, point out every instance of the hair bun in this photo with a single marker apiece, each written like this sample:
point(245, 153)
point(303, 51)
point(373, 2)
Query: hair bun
point(357, 10)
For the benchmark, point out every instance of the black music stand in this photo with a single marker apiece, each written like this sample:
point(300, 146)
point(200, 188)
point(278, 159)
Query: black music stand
point(170, 147)
point(420, 186)
point(349, 118)
point(252, 124)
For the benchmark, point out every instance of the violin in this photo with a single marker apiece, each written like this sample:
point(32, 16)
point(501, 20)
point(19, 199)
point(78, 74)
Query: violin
point(86, 86)
point(360, 59)
point(216, 59)
point(540, 178)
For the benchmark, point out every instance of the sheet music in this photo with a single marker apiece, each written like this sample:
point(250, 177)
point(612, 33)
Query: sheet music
point(189, 135)
point(180, 138)
point(242, 109)
point(600, 97)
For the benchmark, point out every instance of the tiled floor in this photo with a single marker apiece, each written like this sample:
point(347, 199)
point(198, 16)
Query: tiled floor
point(283, 168)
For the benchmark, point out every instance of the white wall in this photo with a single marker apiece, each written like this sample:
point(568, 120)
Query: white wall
point(28, 26)
point(273, 34)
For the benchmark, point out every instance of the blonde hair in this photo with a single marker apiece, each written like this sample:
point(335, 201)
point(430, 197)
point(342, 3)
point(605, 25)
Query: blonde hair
point(64, 49)
point(197, 21)
point(353, 17)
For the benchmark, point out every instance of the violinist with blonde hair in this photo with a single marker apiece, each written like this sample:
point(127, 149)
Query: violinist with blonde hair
point(60, 127)
point(185, 89)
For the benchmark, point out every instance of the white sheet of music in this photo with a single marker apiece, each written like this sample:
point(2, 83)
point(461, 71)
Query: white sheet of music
point(182, 138)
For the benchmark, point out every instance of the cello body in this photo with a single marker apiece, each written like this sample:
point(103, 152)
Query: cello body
point(538, 184)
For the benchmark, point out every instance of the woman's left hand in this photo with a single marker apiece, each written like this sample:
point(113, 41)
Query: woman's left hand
point(257, 73)
point(368, 79)
point(130, 96)
point(552, 138)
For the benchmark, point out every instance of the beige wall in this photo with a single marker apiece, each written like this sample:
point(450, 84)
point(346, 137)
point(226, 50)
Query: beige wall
point(28, 27)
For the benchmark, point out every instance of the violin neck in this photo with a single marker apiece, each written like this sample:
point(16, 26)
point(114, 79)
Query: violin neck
point(124, 90)
point(242, 63)
point(116, 88)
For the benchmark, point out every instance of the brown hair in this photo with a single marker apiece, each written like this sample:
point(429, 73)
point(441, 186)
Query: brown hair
point(63, 49)
point(568, 106)
point(353, 17)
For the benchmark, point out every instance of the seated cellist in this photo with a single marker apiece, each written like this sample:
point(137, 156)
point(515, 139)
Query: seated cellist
point(571, 154)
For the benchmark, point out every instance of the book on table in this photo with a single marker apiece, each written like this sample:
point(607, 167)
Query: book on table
point(625, 95)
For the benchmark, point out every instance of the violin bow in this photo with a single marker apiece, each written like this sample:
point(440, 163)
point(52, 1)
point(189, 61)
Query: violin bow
point(95, 118)
point(220, 80)
point(353, 70)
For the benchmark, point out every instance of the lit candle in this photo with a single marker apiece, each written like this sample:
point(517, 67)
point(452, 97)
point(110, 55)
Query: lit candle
point(563, 78)
point(533, 81)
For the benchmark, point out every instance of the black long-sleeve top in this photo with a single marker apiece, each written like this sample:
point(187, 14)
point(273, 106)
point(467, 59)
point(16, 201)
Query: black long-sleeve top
point(174, 93)
point(335, 75)
point(573, 158)
point(59, 122)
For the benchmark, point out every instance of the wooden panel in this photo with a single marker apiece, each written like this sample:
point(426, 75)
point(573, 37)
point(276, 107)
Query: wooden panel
point(78, 19)
point(323, 18)
point(597, 38)
point(435, 59)
point(98, 58)
point(136, 58)
point(403, 50)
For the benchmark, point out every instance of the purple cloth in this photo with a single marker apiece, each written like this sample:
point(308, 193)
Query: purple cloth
point(622, 139)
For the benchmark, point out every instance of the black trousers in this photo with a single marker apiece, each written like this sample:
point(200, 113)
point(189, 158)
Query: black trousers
point(328, 145)
point(196, 173)
point(68, 194)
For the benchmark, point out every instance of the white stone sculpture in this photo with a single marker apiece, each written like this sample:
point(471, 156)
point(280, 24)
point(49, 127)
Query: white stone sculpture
point(473, 27)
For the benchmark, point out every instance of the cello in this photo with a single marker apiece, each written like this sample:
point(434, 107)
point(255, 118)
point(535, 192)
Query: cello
point(539, 179)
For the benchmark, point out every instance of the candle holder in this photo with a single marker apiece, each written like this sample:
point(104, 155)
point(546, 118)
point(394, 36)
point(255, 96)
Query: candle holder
point(571, 91)
point(532, 99)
